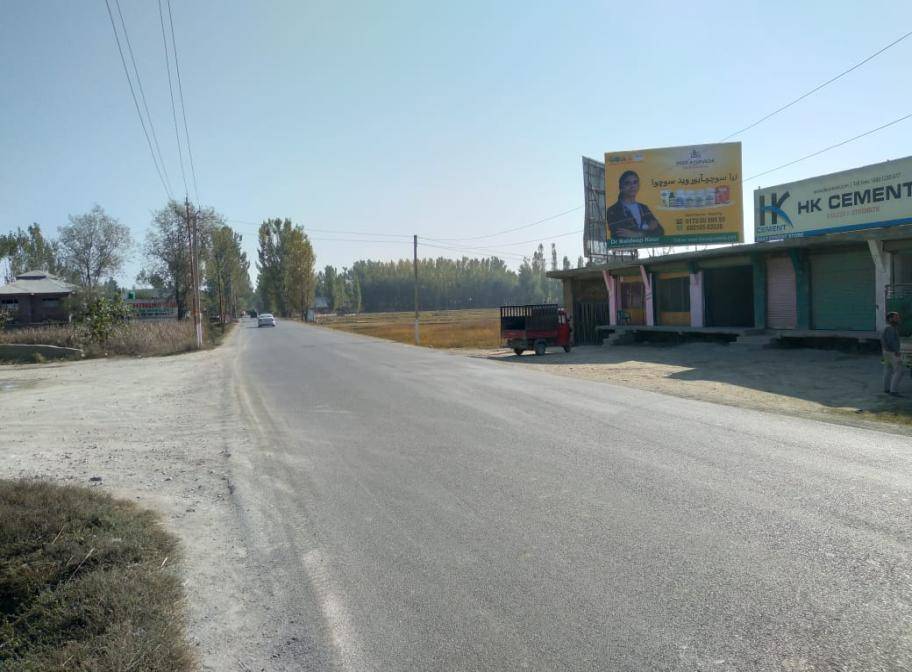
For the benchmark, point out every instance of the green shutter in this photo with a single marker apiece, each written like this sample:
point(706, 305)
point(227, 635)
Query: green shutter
point(842, 291)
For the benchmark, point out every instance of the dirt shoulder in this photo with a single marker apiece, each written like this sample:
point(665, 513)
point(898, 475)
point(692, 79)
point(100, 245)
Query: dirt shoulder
point(159, 431)
point(825, 384)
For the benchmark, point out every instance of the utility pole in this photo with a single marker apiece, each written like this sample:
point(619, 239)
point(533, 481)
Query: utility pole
point(417, 336)
point(194, 282)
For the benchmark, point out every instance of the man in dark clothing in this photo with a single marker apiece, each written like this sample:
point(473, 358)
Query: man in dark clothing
point(627, 218)
point(892, 358)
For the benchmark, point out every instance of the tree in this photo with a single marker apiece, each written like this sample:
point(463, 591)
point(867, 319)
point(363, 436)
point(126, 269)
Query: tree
point(93, 245)
point(28, 250)
point(299, 280)
point(355, 293)
point(285, 262)
point(167, 250)
point(227, 268)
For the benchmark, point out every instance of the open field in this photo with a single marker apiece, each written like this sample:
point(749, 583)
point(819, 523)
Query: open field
point(439, 329)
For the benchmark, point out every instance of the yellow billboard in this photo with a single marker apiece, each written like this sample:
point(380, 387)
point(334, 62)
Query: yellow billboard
point(674, 196)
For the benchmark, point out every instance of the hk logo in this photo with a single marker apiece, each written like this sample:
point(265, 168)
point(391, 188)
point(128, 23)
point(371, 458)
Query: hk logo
point(774, 209)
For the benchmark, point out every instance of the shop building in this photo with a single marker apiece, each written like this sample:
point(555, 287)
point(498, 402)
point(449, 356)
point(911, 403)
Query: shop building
point(833, 286)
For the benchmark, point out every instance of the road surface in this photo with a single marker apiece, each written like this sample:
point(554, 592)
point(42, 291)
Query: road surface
point(421, 510)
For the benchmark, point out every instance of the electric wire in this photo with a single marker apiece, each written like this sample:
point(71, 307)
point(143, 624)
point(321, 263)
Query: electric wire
point(180, 90)
point(524, 242)
point(142, 93)
point(818, 87)
point(180, 154)
point(136, 103)
point(826, 149)
point(517, 228)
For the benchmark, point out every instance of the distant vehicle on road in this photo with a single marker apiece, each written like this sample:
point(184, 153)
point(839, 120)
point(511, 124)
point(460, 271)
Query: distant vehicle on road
point(534, 327)
point(266, 320)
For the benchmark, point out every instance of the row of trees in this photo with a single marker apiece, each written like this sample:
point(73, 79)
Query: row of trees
point(93, 248)
point(223, 265)
point(443, 283)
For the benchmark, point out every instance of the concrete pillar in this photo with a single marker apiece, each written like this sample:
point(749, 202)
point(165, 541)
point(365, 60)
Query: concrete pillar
point(883, 267)
point(611, 284)
point(649, 305)
point(802, 287)
point(759, 266)
point(696, 299)
point(567, 284)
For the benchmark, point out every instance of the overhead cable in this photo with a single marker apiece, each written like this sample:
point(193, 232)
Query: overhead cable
point(517, 228)
point(180, 153)
point(818, 87)
point(180, 90)
point(158, 169)
point(826, 149)
point(142, 93)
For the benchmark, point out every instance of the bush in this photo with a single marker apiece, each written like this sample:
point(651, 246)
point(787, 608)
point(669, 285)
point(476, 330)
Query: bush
point(86, 583)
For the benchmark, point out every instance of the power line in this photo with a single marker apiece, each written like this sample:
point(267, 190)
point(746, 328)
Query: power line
point(475, 250)
point(817, 88)
point(142, 93)
point(517, 228)
point(826, 149)
point(180, 90)
point(180, 154)
point(158, 169)
point(525, 242)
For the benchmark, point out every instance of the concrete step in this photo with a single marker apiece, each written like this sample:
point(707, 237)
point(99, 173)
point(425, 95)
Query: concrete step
point(755, 340)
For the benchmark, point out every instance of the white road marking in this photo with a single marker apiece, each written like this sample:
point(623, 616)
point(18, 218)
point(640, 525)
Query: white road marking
point(338, 622)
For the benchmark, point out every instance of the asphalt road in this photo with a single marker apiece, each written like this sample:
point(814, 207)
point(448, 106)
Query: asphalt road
point(421, 510)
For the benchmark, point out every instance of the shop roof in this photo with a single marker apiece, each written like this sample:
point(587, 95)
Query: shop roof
point(831, 240)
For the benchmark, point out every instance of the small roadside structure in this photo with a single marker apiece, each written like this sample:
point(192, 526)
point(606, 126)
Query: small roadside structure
point(36, 297)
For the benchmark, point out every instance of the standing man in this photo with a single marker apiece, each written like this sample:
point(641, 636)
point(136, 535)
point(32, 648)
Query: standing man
point(892, 359)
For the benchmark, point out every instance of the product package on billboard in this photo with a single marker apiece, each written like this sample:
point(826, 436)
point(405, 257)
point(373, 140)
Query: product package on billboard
point(873, 196)
point(674, 196)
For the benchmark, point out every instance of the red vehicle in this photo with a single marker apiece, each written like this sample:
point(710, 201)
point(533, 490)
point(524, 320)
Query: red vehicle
point(534, 327)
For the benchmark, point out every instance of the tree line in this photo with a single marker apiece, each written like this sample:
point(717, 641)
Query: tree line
point(443, 283)
point(90, 252)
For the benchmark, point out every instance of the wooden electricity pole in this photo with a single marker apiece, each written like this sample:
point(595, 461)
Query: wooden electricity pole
point(194, 281)
point(417, 336)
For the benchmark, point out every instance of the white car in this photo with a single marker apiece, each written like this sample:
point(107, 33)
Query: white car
point(266, 320)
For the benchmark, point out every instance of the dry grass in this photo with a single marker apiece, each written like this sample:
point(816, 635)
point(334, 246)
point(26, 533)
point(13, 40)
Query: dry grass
point(136, 338)
point(86, 583)
point(439, 329)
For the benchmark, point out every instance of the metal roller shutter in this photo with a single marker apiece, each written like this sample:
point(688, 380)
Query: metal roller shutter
point(842, 291)
point(781, 298)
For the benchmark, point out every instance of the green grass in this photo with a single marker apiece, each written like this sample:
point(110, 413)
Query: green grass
point(87, 583)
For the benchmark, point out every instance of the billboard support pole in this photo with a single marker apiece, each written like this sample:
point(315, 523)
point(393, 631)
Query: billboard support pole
point(415, 263)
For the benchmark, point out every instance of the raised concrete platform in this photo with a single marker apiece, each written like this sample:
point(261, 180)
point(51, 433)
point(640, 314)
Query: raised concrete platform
point(744, 336)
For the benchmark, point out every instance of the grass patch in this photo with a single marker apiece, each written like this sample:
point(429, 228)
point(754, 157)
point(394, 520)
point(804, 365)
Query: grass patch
point(438, 329)
point(147, 338)
point(86, 583)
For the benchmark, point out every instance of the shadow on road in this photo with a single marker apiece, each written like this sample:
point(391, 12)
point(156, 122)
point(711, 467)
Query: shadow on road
point(713, 371)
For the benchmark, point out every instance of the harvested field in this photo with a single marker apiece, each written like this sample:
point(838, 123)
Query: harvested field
point(438, 329)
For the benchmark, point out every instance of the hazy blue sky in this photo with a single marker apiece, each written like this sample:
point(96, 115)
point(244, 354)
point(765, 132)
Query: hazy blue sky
point(443, 119)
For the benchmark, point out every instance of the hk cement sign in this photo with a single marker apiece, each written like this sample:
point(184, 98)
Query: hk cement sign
point(863, 198)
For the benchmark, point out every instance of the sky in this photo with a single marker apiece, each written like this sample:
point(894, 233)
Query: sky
point(445, 120)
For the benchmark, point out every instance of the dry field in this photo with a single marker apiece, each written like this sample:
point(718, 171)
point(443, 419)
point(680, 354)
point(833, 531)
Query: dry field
point(136, 338)
point(439, 329)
